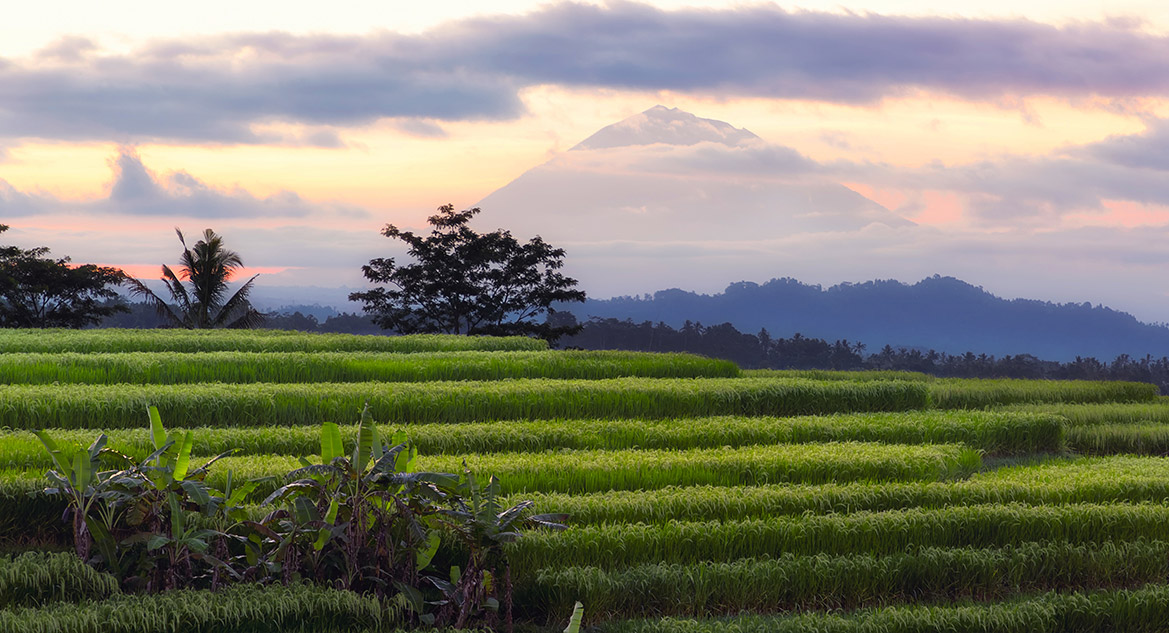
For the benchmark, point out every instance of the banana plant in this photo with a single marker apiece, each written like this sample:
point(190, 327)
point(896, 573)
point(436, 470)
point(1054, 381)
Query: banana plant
point(480, 522)
point(367, 509)
point(79, 478)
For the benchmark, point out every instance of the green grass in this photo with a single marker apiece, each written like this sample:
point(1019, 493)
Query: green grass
point(1143, 610)
point(1151, 412)
point(223, 405)
point(846, 582)
point(166, 340)
point(1089, 480)
point(611, 546)
point(1115, 439)
point(967, 393)
point(238, 608)
point(830, 374)
point(37, 578)
point(992, 432)
point(312, 367)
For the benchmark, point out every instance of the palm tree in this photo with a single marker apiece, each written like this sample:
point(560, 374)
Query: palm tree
point(207, 267)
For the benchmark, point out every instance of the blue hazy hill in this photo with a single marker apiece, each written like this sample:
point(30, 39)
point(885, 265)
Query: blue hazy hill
point(940, 313)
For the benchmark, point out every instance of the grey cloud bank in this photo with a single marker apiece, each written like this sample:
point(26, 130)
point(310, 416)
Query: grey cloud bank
point(216, 89)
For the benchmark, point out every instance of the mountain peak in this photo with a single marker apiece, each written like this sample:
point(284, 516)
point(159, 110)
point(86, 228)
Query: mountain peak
point(667, 126)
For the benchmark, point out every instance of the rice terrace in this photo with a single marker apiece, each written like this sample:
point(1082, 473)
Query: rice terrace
point(668, 493)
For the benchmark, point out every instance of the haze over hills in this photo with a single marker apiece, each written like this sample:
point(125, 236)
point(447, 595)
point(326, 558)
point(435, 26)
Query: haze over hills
point(939, 313)
point(665, 198)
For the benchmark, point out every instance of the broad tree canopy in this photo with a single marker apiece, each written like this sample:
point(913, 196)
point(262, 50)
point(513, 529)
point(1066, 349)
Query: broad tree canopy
point(463, 282)
point(41, 292)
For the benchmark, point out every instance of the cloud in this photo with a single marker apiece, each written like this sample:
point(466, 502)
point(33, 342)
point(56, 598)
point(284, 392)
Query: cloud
point(1148, 150)
point(1015, 189)
point(71, 48)
point(420, 128)
point(218, 89)
point(136, 191)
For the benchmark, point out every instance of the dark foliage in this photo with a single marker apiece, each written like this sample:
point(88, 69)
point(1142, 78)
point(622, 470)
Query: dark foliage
point(41, 292)
point(464, 282)
point(940, 313)
point(207, 266)
point(799, 352)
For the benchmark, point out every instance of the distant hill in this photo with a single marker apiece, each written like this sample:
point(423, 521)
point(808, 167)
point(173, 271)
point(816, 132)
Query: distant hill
point(939, 313)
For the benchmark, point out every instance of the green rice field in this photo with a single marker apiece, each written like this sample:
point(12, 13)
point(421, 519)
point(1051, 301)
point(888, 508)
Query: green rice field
point(700, 498)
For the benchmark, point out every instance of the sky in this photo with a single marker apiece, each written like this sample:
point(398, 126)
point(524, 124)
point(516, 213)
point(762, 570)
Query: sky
point(1025, 144)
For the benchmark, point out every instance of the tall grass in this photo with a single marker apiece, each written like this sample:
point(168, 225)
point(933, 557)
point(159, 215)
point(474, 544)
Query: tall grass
point(1143, 610)
point(832, 374)
point(992, 432)
point(845, 582)
point(1093, 480)
point(1152, 412)
point(592, 470)
point(122, 406)
point(968, 393)
point(36, 578)
point(237, 608)
point(313, 367)
point(611, 546)
point(115, 340)
point(1113, 439)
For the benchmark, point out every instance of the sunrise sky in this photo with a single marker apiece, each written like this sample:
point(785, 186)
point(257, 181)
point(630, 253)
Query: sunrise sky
point(1027, 141)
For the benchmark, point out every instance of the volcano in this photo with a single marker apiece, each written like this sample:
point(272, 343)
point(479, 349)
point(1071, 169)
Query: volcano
point(666, 175)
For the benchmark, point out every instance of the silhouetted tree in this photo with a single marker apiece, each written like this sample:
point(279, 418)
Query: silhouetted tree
point(464, 282)
point(38, 291)
point(207, 267)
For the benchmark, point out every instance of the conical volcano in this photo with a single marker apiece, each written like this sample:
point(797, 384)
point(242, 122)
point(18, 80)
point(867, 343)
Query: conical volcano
point(666, 175)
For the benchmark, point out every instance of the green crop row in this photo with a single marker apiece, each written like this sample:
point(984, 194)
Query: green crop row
point(1113, 439)
point(611, 546)
point(1089, 480)
point(167, 340)
point(829, 374)
point(967, 393)
point(1152, 412)
point(593, 470)
point(239, 608)
point(1144, 610)
point(846, 582)
point(221, 405)
point(37, 578)
point(28, 517)
point(312, 367)
point(992, 432)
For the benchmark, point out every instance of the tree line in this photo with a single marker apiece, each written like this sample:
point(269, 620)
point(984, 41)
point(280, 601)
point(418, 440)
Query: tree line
point(461, 282)
point(763, 351)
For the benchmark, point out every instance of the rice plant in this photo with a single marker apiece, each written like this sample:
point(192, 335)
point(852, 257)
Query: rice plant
point(832, 374)
point(613, 545)
point(1142, 610)
point(591, 471)
point(1095, 480)
point(1114, 439)
point(1151, 412)
point(37, 578)
point(969, 393)
point(789, 582)
point(294, 608)
point(312, 367)
point(178, 340)
point(992, 432)
point(224, 405)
